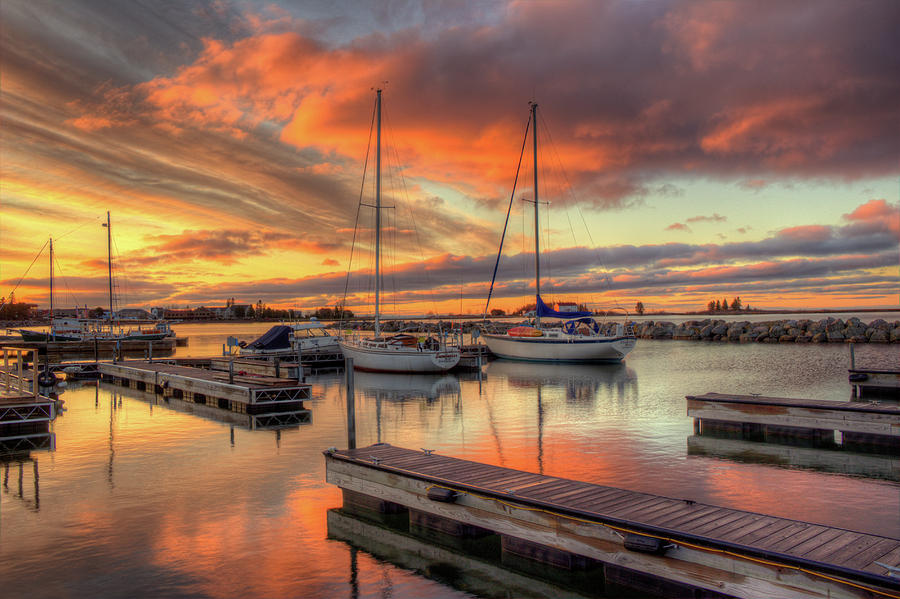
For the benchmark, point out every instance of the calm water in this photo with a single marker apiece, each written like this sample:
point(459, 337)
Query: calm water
point(142, 499)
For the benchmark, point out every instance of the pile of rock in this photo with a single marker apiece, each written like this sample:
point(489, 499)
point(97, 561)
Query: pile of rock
point(827, 330)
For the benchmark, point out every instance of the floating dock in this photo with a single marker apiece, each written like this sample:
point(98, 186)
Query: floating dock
point(638, 541)
point(862, 426)
point(868, 381)
point(25, 415)
point(57, 351)
point(273, 401)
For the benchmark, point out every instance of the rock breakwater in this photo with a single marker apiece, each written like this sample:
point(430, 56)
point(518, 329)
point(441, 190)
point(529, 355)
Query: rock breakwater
point(826, 330)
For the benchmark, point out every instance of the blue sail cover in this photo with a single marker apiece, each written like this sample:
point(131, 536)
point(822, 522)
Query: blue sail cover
point(545, 310)
point(278, 337)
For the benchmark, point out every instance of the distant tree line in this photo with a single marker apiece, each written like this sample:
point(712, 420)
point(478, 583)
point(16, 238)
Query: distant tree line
point(13, 310)
point(723, 306)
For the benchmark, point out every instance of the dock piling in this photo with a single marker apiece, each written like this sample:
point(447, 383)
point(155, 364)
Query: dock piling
point(351, 404)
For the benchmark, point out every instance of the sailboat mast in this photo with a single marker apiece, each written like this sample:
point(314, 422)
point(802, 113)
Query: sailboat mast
point(51, 277)
point(378, 215)
point(537, 237)
point(109, 264)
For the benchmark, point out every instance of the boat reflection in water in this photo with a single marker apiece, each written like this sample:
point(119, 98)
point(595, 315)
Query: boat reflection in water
point(580, 382)
point(404, 387)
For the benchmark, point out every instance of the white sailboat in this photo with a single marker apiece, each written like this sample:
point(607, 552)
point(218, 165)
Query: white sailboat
point(580, 339)
point(88, 329)
point(401, 352)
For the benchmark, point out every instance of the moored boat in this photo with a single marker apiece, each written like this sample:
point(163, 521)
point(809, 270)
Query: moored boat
point(401, 352)
point(579, 339)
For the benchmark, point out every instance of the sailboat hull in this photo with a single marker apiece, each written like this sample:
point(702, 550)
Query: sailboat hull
point(560, 349)
point(375, 359)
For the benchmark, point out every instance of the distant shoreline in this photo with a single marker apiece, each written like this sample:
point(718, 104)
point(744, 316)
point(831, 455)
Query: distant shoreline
point(11, 324)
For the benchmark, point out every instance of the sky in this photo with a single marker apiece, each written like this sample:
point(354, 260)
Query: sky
point(688, 152)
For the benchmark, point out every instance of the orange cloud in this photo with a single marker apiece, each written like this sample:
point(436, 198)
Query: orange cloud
point(877, 210)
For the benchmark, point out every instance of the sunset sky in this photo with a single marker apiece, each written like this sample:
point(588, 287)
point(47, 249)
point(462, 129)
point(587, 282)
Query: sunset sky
point(712, 150)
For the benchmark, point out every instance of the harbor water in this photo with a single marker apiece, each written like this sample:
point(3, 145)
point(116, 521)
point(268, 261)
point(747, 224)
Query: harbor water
point(144, 498)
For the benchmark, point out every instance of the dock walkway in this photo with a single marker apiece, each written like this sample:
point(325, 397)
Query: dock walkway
point(723, 551)
point(862, 425)
point(279, 400)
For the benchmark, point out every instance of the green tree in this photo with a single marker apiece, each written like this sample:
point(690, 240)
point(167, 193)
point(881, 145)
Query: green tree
point(639, 308)
point(251, 313)
point(736, 304)
point(724, 304)
point(498, 312)
point(711, 306)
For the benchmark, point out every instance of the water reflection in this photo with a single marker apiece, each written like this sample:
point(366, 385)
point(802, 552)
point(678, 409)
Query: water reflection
point(406, 387)
point(17, 463)
point(824, 460)
point(580, 382)
point(460, 569)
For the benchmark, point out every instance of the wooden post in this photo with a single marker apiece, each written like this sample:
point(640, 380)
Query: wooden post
point(852, 358)
point(6, 368)
point(277, 367)
point(35, 373)
point(150, 351)
point(231, 371)
point(351, 404)
point(96, 350)
point(20, 385)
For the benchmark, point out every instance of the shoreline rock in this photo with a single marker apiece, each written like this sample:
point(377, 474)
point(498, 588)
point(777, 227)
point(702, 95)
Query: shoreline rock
point(826, 330)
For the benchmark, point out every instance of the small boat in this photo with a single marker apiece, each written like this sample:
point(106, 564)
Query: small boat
point(88, 329)
point(401, 352)
point(284, 339)
point(579, 339)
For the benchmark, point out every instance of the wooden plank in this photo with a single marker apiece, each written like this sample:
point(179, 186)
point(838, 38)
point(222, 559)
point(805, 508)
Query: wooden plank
point(689, 524)
point(775, 525)
point(714, 526)
point(690, 512)
point(663, 512)
point(788, 543)
point(871, 554)
point(544, 488)
point(892, 558)
point(816, 541)
point(641, 509)
point(737, 534)
point(851, 550)
point(609, 503)
point(835, 545)
point(653, 518)
point(782, 534)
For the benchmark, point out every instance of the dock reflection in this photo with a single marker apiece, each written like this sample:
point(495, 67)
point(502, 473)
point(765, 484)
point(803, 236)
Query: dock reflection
point(245, 421)
point(837, 460)
point(461, 571)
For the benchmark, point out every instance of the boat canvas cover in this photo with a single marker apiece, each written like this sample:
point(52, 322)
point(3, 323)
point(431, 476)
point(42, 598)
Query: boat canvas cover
point(543, 310)
point(278, 337)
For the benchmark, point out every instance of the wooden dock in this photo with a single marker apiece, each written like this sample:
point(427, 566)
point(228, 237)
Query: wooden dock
point(272, 400)
point(647, 543)
point(862, 426)
point(57, 351)
point(868, 381)
point(25, 414)
point(472, 357)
